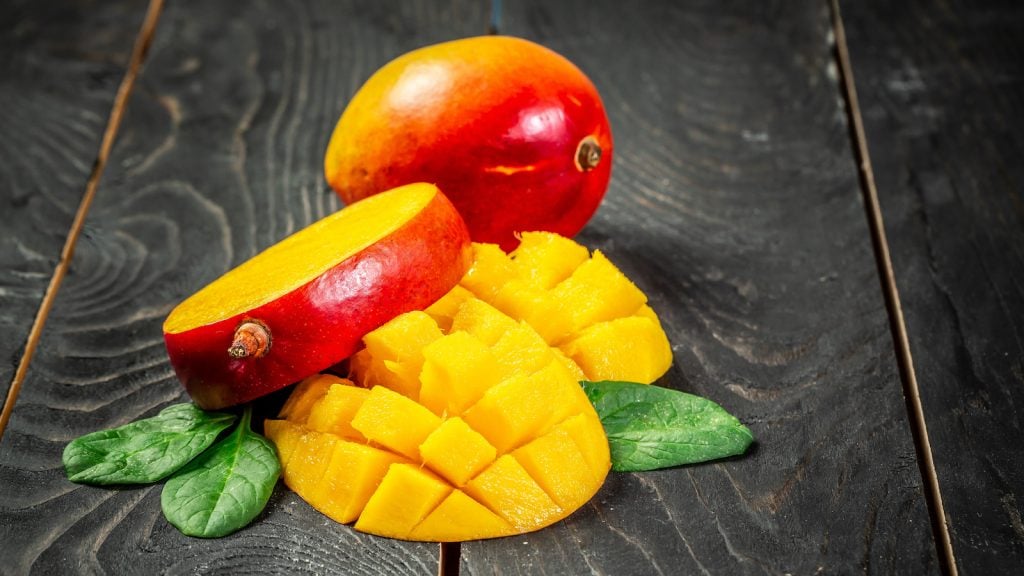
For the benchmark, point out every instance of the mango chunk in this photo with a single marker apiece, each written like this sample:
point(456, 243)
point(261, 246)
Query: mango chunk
point(522, 407)
point(548, 316)
point(405, 496)
point(557, 465)
point(552, 284)
point(354, 472)
point(594, 449)
point(457, 452)
point(490, 270)
point(309, 461)
point(459, 517)
point(394, 352)
point(457, 370)
point(597, 291)
point(521, 351)
point(296, 408)
point(481, 320)
point(544, 260)
point(333, 412)
point(508, 489)
point(445, 308)
point(285, 435)
point(633, 349)
point(394, 421)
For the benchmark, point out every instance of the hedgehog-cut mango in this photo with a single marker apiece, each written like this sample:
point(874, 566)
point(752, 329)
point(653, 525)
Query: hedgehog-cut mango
point(488, 438)
point(579, 303)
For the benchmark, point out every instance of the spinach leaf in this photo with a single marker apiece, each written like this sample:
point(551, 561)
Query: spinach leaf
point(649, 427)
point(146, 450)
point(225, 488)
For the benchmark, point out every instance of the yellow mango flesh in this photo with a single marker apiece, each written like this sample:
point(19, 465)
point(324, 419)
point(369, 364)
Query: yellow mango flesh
point(468, 457)
point(576, 302)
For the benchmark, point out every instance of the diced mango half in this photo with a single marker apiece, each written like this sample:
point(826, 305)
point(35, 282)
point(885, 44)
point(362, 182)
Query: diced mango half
point(576, 302)
point(468, 457)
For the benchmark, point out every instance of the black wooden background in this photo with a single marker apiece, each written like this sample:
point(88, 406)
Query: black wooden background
point(735, 203)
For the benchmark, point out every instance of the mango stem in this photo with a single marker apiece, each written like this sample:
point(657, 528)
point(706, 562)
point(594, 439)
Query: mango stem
point(252, 338)
point(588, 154)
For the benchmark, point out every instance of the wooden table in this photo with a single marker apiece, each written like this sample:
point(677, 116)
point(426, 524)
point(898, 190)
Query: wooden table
point(848, 279)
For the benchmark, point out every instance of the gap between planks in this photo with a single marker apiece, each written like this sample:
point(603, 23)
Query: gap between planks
point(887, 278)
point(124, 91)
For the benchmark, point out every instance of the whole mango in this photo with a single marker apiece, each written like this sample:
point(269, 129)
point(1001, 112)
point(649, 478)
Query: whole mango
point(514, 133)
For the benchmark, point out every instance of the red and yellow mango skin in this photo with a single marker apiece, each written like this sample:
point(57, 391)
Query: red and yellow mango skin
point(496, 122)
point(321, 322)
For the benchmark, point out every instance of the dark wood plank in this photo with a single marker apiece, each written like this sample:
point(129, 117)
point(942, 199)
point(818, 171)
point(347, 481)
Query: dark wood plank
point(735, 204)
point(219, 156)
point(941, 87)
point(62, 63)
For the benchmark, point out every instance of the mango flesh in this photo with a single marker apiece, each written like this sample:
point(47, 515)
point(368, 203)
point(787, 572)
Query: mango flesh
point(579, 303)
point(464, 452)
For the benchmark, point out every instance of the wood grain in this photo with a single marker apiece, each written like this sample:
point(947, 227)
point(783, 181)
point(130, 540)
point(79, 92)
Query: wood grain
point(941, 87)
point(61, 63)
point(735, 205)
point(219, 156)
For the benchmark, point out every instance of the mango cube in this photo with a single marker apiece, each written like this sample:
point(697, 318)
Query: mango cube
point(456, 452)
point(457, 370)
point(544, 259)
point(460, 517)
point(632, 349)
point(333, 412)
point(354, 472)
point(508, 489)
point(405, 496)
point(395, 421)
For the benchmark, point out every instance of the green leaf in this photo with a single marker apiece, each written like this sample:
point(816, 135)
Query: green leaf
point(226, 487)
point(649, 427)
point(146, 450)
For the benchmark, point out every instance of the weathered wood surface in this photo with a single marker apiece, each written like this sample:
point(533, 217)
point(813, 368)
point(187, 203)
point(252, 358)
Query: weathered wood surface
point(941, 88)
point(219, 156)
point(735, 204)
point(61, 65)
